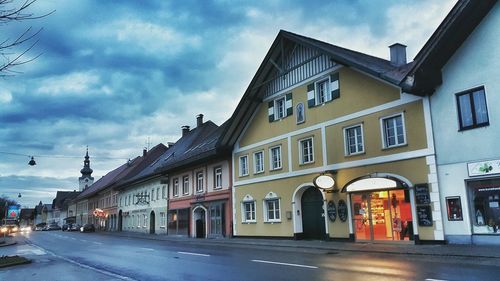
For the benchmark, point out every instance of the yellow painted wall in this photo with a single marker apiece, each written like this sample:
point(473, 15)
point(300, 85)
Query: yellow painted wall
point(267, 164)
point(372, 132)
point(317, 146)
point(415, 170)
point(357, 92)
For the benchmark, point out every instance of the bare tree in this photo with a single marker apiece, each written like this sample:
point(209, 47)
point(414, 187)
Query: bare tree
point(13, 52)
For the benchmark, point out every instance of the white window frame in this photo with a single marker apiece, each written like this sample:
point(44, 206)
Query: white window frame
point(271, 158)
point(266, 209)
point(217, 177)
point(347, 151)
point(152, 194)
point(199, 187)
point(243, 169)
point(185, 185)
point(163, 221)
point(277, 114)
point(301, 151)
point(257, 169)
point(326, 81)
point(145, 221)
point(157, 193)
point(163, 191)
point(252, 211)
point(175, 187)
point(383, 130)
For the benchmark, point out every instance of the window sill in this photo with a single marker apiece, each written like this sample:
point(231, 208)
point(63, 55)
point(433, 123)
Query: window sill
point(395, 146)
point(245, 175)
point(276, 169)
point(258, 173)
point(474, 127)
point(272, 222)
point(356, 154)
point(306, 163)
point(249, 222)
point(218, 187)
point(163, 227)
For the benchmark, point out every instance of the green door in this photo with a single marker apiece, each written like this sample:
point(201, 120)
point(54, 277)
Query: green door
point(313, 220)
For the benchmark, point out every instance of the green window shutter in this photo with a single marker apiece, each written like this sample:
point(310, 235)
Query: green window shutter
point(270, 110)
point(311, 100)
point(334, 86)
point(289, 104)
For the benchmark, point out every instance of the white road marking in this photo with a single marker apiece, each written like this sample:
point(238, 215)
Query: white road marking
point(98, 243)
point(147, 249)
point(37, 252)
point(73, 238)
point(430, 279)
point(193, 254)
point(288, 264)
point(83, 240)
point(114, 275)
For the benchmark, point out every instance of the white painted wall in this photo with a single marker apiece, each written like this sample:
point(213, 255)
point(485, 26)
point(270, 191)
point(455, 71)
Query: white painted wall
point(475, 63)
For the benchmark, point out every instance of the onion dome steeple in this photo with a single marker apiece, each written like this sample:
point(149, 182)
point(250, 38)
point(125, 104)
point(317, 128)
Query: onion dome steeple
point(86, 179)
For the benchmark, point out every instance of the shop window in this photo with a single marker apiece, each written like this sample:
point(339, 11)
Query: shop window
point(163, 220)
point(472, 110)
point(485, 199)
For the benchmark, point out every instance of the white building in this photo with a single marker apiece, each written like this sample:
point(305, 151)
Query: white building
point(460, 63)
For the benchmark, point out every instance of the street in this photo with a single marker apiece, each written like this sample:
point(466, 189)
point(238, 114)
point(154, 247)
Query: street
point(61, 255)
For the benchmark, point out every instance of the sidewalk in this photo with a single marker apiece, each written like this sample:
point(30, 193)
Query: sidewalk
point(470, 251)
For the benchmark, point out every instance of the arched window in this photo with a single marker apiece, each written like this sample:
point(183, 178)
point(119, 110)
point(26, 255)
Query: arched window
point(248, 209)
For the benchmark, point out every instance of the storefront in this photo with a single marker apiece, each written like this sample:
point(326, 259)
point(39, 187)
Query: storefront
point(178, 222)
point(381, 209)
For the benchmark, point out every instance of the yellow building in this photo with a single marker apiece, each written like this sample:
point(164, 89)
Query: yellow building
point(315, 109)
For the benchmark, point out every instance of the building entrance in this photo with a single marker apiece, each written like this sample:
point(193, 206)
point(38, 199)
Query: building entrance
point(313, 217)
point(382, 215)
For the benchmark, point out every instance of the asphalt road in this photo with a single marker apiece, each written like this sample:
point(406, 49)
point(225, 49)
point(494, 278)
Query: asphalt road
point(70, 256)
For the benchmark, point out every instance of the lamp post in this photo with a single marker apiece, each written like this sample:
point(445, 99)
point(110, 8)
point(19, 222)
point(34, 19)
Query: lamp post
point(5, 220)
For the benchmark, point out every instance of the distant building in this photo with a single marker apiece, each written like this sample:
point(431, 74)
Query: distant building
point(60, 206)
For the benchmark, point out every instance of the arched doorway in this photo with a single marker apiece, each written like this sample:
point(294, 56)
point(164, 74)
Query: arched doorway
point(313, 217)
point(152, 223)
point(199, 219)
point(382, 208)
point(120, 220)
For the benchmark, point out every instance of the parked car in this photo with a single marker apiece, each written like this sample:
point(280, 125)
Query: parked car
point(40, 226)
point(74, 227)
point(88, 227)
point(66, 226)
point(53, 227)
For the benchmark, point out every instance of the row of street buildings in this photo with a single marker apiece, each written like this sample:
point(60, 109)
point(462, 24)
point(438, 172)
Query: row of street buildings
point(330, 143)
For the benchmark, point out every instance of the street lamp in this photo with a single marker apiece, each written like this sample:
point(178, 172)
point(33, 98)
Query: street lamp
point(32, 161)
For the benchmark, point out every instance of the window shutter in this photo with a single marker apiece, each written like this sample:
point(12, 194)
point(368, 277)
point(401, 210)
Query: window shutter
point(270, 110)
point(334, 86)
point(289, 104)
point(310, 96)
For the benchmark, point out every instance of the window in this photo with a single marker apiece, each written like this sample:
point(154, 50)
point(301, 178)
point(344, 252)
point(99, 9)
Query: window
point(279, 108)
point(393, 130)
point(175, 188)
point(321, 91)
point(145, 220)
point(244, 165)
point(218, 177)
point(120, 201)
point(248, 211)
point(138, 221)
point(354, 140)
point(258, 159)
point(199, 182)
point(275, 154)
point(185, 185)
point(153, 194)
point(306, 151)
point(472, 110)
point(163, 220)
point(272, 208)
point(157, 193)
point(163, 191)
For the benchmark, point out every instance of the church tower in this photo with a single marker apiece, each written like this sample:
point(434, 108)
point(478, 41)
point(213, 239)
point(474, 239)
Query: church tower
point(86, 179)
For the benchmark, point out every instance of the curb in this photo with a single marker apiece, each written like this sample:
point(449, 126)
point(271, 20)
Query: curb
point(264, 244)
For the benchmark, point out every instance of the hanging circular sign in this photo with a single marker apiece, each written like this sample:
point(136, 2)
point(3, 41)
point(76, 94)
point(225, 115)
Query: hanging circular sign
point(342, 210)
point(324, 182)
point(331, 210)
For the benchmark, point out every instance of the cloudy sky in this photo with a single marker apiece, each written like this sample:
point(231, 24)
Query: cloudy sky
point(114, 74)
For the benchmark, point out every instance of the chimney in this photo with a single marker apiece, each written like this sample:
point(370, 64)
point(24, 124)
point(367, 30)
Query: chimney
point(199, 120)
point(170, 144)
point(398, 54)
point(185, 130)
point(144, 151)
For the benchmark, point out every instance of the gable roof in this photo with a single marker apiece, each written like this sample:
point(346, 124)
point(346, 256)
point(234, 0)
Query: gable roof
point(62, 199)
point(254, 94)
point(464, 17)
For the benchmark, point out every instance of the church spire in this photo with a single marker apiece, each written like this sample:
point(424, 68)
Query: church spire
point(86, 179)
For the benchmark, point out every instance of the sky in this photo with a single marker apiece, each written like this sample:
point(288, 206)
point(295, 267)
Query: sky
point(119, 76)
